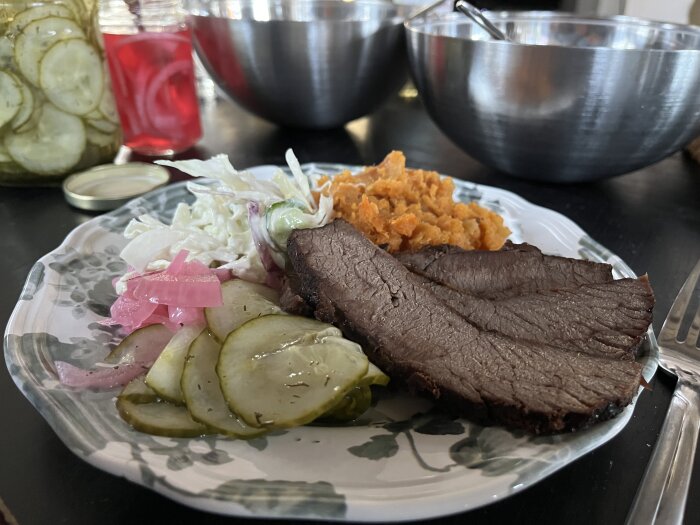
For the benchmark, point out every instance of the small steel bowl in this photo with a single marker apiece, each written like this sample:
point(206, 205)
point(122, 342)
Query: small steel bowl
point(571, 99)
point(302, 63)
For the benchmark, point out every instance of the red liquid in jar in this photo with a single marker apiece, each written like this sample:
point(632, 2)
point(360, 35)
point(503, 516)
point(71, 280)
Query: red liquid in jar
point(154, 89)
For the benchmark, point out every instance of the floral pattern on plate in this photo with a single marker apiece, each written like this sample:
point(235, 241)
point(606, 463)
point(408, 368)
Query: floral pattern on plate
point(401, 460)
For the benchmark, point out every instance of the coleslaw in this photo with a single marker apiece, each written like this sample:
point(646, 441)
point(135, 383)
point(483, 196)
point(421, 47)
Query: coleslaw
point(237, 222)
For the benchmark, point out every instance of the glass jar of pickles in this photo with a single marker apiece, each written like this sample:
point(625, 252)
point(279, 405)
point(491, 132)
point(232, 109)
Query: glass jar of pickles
point(57, 113)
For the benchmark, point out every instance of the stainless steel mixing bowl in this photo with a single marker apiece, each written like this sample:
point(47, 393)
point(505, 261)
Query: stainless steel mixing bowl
point(572, 99)
point(303, 63)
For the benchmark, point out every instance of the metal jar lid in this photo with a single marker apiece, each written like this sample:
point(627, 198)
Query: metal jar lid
point(109, 186)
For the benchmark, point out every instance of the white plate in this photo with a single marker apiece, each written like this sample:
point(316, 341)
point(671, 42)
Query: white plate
point(402, 461)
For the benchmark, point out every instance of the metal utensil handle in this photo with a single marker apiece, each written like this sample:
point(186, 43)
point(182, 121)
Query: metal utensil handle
point(425, 10)
point(663, 493)
point(472, 12)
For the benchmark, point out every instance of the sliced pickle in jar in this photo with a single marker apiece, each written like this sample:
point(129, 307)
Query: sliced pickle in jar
point(242, 301)
point(100, 139)
point(33, 120)
point(10, 97)
point(203, 396)
point(164, 375)
point(26, 112)
point(280, 371)
point(35, 142)
point(9, 171)
point(107, 107)
point(26, 17)
point(37, 37)
point(52, 147)
point(77, 7)
point(4, 155)
point(94, 30)
point(105, 126)
point(7, 53)
point(70, 73)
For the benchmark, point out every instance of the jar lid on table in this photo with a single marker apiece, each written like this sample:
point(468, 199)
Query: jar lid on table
point(109, 186)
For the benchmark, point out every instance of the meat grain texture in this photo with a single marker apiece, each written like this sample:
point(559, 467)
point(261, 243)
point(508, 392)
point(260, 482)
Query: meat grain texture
point(479, 356)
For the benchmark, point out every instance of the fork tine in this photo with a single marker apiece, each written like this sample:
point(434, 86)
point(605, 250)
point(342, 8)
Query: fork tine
point(669, 330)
point(694, 329)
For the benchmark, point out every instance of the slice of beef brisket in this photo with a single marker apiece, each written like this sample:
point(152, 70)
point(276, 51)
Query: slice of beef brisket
point(424, 343)
point(514, 270)
point(603, 319)
point(290, 300)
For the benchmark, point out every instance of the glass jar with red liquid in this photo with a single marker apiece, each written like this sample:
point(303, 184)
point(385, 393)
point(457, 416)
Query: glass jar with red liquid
point(149, 52)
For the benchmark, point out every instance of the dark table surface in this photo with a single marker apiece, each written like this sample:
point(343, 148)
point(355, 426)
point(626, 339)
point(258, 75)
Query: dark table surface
point(650, 218)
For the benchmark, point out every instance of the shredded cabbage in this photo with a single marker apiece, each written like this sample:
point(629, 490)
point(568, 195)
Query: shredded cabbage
point(215, 229)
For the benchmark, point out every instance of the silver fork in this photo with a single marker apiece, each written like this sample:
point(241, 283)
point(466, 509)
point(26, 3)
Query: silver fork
point(663, 493)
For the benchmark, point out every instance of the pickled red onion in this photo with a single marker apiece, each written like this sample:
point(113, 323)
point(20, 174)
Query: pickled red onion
point(109, 377)
point(130, 312)
point(185, 316)
point(177, 290)
point(173, 297)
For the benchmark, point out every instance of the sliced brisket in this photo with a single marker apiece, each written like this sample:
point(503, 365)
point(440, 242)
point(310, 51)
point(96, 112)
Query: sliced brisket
point(290, 300)
point(605, 319)
point(514, 270)
point(420, 340)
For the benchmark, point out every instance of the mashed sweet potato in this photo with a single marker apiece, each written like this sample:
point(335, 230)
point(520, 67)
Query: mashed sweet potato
point(406, 209)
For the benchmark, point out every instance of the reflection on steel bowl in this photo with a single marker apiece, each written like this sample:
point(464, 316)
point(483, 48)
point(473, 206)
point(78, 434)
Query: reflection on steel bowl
point(302, 63)
point(571, 99)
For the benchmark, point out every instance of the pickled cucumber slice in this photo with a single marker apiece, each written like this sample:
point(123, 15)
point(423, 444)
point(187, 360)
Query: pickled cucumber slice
point(33, 119)
point(357, 400)
point(13, 170)
point(77, 7)
point(160, 419)
point(26, 110)
point(95, 31)
point(280, 371)
point(243, 301)
point(36, 38)
point(374, 376)
point(24, 18)
point(351, 406)
point(53, 146)
point(7, 53)
point(107, 106)
point(151, 336)
point(164, 375)
point(70, 73)
point(137, 391)
point(105, 126)
point(4, 155)
point(200, 386)
point(100, 139)
point(10, 97)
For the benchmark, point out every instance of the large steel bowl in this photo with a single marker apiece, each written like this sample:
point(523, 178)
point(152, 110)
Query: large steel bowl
point(302, 63)
point(570, 99)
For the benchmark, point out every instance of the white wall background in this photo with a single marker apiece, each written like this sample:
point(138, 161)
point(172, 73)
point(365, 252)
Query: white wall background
point(665, 10)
